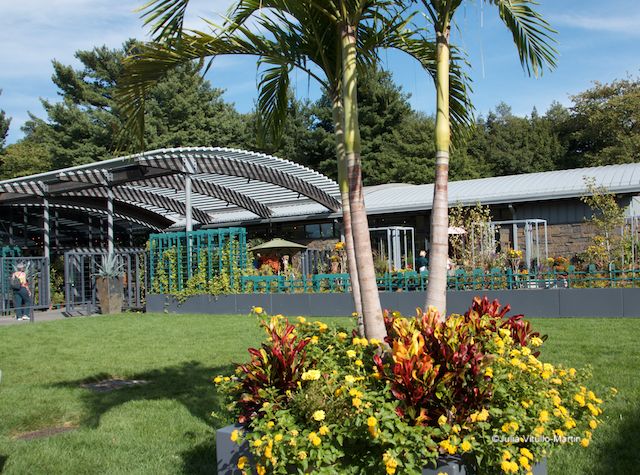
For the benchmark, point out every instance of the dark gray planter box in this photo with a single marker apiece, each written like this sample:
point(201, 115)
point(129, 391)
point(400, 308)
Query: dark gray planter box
point(228, 453)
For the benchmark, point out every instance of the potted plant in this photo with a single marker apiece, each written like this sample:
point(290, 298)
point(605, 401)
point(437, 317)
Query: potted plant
point(466, 396)
point(109, 285)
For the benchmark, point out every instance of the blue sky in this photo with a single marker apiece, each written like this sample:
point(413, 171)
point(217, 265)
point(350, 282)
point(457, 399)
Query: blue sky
point(597, 41)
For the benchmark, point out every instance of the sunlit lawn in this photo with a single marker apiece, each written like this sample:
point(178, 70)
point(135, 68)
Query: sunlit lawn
point(164, 426)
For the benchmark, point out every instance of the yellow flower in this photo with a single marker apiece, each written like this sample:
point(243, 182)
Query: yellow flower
point(302, 455)
point(572, 372)
point(353, 392)
point(311, 375)
point(260, 469)
point(322, 327)
point(270, 424)
point(349, 379)
point(316, 441)
point(375, 341)
point(506, 455)
point(442, 420)
point(234, 435)
point(488, 372)
point(465, 446)
point(480, 416)
point(535, 341)
point(579, 398)
point(372, 421)
point(539, 430)
point(257, 443)
point(356, 402)
point(593, 424)
point(526, 452)
point(258, 310)
point(593, 409)
point(509, 466)
point(342, 335)
point(351, 353)
point(524, 462)
point(324, 430)
point(294, 433)
point(314, 340)
point(359, 363)
point(390, 463)
point(242, 461)
point(318, 415)
point(584, 442)
point(557, 381)
point(217, 379)
point(544, 416)
point(277, 438)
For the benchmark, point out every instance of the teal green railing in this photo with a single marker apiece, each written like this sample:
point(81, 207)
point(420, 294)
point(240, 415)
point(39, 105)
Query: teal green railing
point(174, 258)
point(477, 279)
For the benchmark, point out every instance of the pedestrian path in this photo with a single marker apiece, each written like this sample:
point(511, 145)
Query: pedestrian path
point(38, 316)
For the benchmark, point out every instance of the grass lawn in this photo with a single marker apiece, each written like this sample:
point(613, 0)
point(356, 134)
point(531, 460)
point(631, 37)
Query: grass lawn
point(164, 426)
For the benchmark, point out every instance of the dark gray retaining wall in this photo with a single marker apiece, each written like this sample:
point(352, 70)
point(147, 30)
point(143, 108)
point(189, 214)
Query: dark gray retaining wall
point(531, 302)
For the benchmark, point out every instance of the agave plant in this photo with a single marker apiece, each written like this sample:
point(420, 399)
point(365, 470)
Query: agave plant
point(111, 267)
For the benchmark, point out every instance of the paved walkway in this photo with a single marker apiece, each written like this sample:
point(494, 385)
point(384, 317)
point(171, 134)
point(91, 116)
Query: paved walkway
point(38, 316)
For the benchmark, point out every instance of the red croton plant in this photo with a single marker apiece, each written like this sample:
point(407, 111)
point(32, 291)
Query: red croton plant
point(438, 367)
point(275, 367)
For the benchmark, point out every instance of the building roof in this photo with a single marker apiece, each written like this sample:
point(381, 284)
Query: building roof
point(527, 187)
point(151, 186)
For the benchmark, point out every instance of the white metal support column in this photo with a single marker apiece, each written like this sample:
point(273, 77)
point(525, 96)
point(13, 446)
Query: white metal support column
point(10, 227)
point(189, 170)
point(46, 229)
point(110, 244)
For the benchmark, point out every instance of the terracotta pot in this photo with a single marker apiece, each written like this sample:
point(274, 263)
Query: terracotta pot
point(109, 290)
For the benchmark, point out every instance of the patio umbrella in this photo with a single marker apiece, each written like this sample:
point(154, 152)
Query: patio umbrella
point(278, 245)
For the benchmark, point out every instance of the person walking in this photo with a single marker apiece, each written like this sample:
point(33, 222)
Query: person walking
point(421, 262)
point(21, 293)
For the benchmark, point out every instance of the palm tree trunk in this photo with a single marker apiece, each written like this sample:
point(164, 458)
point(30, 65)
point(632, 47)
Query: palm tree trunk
point(439, 251)
point(346, 209)
point(371, 308)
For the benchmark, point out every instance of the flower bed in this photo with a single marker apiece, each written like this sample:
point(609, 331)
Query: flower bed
point(320, 398)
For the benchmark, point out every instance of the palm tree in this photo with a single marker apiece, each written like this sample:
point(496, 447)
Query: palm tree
point(533, 39)
point(299, 34)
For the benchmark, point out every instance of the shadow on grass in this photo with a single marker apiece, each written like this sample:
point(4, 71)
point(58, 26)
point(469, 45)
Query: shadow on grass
point(201, 459)
point(3, 460)
point(189, 383)
point(619, 454)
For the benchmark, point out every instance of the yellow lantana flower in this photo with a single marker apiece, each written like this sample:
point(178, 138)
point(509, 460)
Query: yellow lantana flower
point(242, 461)
point(324, 430)
point(318, 415)
point(258, 310)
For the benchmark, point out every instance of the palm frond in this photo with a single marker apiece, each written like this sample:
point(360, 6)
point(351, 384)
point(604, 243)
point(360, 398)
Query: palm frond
point(273, 101)
point(532, 34)
point(166, 18)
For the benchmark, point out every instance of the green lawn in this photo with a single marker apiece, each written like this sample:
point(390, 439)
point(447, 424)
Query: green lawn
point(165, 425)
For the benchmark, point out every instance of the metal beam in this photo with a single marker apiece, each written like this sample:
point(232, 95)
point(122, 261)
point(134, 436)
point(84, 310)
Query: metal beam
point(227, 166)
point(110, 244)
point(213, 190)
point(46, 229)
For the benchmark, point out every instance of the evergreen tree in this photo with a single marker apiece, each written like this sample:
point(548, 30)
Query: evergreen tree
point(183, 110)
point(4, 127)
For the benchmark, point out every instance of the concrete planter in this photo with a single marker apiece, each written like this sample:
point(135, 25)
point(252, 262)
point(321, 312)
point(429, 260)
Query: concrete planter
point(109, 290)
point(228, 453)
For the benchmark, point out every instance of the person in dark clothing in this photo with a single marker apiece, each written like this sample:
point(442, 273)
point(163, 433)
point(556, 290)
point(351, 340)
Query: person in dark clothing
point(421, 261)
point(21, 294)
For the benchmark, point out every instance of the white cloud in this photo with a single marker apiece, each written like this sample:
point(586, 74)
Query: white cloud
point(622, 24)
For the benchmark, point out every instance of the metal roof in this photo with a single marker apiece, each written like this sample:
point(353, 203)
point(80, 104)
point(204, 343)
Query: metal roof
point(150, 186)
point(528, 187)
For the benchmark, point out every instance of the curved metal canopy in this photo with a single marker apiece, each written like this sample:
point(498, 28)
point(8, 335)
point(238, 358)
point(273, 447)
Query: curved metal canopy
point(220, 180)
